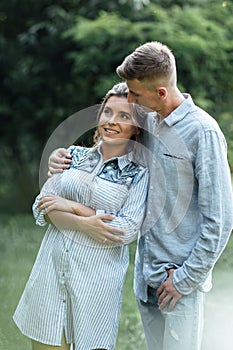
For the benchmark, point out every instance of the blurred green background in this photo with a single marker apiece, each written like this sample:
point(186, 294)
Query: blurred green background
point(58, 57)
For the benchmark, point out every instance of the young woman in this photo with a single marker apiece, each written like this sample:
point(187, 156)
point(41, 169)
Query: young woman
point(74, 292)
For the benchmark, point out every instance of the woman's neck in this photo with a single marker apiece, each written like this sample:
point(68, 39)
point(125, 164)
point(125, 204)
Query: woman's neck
point(110, 151)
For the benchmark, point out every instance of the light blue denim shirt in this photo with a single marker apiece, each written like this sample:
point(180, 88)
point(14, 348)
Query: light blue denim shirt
point(190, 208)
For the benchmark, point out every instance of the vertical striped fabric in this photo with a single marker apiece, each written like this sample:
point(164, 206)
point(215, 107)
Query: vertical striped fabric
point(76, 283)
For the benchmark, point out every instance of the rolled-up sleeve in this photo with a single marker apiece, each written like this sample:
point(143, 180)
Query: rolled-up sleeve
point(51, 186)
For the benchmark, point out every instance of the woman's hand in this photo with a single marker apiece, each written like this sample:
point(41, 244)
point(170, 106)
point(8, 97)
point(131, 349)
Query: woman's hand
point(52, 202)
point(59, 160)
point(56, 209)
point(96, 227)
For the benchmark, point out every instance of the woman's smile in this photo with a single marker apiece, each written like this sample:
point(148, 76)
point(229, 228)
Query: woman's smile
point(111, 131)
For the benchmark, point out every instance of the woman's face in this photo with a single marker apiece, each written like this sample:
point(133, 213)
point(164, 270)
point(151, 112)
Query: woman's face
point(116, 123)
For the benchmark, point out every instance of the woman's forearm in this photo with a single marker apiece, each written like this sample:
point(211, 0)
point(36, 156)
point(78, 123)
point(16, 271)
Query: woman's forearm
point(71, 215)
point(52, 202)
point(81, 209)
point(94, 226)
point(64, 220)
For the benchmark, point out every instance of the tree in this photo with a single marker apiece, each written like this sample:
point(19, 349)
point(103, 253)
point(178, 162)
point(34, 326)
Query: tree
point(58, 59)
point(38, 88)
point(201, 39)
point(31, 97)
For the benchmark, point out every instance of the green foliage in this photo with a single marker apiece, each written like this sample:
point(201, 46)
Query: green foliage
point(226, 124)
point(59, 58)
point(200, 41)
point(19, 243)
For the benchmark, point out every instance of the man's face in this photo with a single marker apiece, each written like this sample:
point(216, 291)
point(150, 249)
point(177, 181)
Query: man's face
point(138, 93)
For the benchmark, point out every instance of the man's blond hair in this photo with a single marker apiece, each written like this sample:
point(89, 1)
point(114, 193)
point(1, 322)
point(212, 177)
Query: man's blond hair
point(151, 61)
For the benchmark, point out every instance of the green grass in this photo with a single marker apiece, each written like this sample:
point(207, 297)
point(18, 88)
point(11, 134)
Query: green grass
point(19, 242)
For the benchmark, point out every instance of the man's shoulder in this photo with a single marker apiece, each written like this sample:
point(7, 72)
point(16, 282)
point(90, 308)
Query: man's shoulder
point(202, 119)
point(196, 117)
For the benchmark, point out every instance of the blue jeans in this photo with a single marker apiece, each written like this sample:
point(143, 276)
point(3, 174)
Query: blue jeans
point(179, 329)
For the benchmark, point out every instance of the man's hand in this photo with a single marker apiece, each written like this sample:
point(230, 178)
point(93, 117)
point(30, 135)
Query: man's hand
point(167, 293)
point(59, 160)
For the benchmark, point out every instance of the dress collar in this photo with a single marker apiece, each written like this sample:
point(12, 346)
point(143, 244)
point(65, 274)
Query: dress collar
point(122, 161)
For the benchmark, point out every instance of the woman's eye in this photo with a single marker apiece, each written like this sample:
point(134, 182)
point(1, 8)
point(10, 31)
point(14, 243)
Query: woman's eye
point(125, 116)
point(106, 111)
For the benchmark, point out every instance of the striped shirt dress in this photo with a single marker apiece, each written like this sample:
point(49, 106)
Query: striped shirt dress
point(76, 283)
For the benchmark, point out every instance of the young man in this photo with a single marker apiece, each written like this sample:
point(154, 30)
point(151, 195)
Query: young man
point(189, 211)
point(189, 205)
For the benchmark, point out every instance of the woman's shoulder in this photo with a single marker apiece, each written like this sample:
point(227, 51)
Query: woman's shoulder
point(78, 153)
point(78, 150)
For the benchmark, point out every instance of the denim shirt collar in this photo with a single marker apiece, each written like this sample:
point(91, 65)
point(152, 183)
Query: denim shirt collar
point(179, 113)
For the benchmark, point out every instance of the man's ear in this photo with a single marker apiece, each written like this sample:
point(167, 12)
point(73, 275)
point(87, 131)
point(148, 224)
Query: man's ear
point(161, 92)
